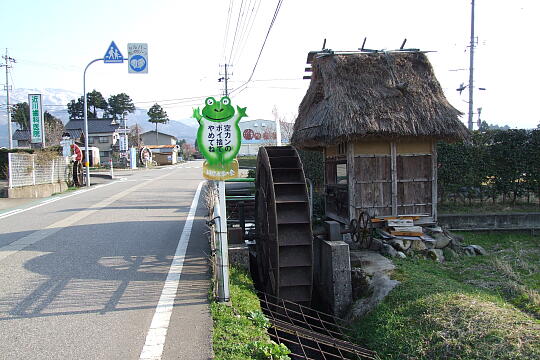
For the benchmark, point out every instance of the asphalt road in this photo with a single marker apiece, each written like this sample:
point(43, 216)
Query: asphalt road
point(82, 276)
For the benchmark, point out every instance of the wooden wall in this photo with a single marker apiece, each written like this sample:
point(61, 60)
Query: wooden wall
point(394, 177)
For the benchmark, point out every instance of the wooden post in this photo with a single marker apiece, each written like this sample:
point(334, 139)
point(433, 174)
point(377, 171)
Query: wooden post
point(434, 180)
point(393, 169)
point(351, 180)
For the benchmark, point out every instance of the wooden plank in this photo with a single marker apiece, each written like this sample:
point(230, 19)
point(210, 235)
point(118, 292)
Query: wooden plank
point(434, 180)
point(350, 180)
point(393, 172)
point(405, 233)
point(399, 222)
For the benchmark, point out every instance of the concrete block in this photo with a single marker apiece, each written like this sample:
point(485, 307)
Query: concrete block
point(36, 191)
point(332, 275)
point(333, 229)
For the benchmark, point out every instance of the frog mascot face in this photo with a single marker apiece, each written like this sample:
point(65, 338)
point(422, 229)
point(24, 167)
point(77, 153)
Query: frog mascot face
point(218, 135)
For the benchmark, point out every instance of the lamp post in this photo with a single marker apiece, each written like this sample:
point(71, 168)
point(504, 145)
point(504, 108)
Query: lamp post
point(85, 110)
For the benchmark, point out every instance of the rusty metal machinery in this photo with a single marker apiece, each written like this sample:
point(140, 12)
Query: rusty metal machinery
point(284, 234)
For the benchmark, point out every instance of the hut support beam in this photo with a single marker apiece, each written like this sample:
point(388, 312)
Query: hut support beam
point(434, 180)
point(351, 180)
point(393, 170)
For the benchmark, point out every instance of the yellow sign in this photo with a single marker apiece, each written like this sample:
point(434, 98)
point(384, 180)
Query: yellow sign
point(221, 171)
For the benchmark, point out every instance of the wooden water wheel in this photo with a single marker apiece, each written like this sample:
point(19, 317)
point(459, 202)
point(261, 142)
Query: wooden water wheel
point(284, 234)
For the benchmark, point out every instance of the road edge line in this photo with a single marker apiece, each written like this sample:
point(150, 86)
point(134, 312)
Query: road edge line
point(157, 333)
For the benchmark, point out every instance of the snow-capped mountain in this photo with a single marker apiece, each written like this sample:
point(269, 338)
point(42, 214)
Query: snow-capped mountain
point(55, 101)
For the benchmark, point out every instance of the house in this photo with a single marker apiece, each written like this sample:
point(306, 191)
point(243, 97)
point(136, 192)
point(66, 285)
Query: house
point(164, 154)
point(257, 133)
point(23, 138)
point(149, 138)
point(102, 134)
point(377, 118)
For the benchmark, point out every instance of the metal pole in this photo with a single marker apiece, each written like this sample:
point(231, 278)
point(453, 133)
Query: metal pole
point(223, 244)
point(6, 58)
point(471, 69)
point(226, 78)
point(87, 151)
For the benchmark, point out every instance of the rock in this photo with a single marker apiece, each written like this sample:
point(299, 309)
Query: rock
point(381, 285)
point(371, 262)
point(434, 229)
point(449, 254)
point(441, 240)
point(376, 244)
point(479, 250)
point(430, 243)
point(361, 283)
point(399, 244)
point(418, 245)
point(469, 251)
point(401, 255)
point(435, 255)
point(388, 250)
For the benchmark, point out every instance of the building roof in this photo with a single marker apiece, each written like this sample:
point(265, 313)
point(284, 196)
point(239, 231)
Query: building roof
point(384, 94)
point(96, 126)
point(73, 133)
point(159, 132)
point(21, 135)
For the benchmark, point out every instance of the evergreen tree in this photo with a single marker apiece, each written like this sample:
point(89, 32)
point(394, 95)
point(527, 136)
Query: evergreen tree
point(157, 116)
point(20, 114)
point(95, 101)
point(120, 104)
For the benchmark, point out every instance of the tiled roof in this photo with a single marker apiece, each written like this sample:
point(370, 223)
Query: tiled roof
point(73, 133)
point(21, 135)
point(94, 126)
point(159, 132)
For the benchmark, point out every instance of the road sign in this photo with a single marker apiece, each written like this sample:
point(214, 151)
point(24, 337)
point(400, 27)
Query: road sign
point(138, 58)
point(36, 118)
point(113, 55)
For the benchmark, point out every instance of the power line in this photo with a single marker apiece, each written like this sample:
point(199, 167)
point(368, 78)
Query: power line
point(236, 29)
point(251, 19)
point(276, 12)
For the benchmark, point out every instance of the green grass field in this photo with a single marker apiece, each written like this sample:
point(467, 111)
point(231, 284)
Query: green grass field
point(484, 307)
point(240, 327)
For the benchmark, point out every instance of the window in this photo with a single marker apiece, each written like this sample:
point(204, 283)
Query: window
point(103, 139)
point(104, 153)
point(90, 139)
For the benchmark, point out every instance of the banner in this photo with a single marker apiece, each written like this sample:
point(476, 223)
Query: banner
point(218, 137)
point(36, 118)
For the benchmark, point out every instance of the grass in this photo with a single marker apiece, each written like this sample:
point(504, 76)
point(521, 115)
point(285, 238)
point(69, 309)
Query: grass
point(484, 307)
point(240, 327)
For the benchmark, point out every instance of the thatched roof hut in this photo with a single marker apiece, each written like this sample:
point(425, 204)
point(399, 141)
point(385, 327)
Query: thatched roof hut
point(392, 94)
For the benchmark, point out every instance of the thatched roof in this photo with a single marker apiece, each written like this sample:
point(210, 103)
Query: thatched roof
point(374, 95)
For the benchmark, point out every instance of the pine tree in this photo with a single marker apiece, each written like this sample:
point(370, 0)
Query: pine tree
point(157, 116)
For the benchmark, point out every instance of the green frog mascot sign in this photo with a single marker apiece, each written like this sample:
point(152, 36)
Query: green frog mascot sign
point(219, 137)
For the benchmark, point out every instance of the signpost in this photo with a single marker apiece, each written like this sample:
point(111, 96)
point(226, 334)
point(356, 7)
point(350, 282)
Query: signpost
point(113, 55)
point(36, 119)
point(138, 58)
point(219, 140)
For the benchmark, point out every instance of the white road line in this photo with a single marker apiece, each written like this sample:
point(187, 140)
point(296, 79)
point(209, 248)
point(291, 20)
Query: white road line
point(155, 339)
point(39, 235)
point(45, 202)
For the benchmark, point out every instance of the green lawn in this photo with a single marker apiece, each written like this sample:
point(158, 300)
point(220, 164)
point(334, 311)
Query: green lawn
point(484, 307)
point(240, 327)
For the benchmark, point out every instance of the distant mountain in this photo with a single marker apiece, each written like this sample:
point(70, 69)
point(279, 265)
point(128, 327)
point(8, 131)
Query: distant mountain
point(55, 100)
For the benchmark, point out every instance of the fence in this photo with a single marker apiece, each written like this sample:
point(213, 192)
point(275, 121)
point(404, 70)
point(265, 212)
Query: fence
point(26, 170)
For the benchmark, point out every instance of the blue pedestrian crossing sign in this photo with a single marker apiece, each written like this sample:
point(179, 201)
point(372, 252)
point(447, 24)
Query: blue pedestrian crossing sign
point(113, 55)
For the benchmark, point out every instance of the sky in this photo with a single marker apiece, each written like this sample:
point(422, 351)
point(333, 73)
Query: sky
point(188, 43)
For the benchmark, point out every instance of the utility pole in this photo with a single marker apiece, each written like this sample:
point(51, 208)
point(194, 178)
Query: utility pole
point(225, 79)
point(471, 70)
point(7, 60)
